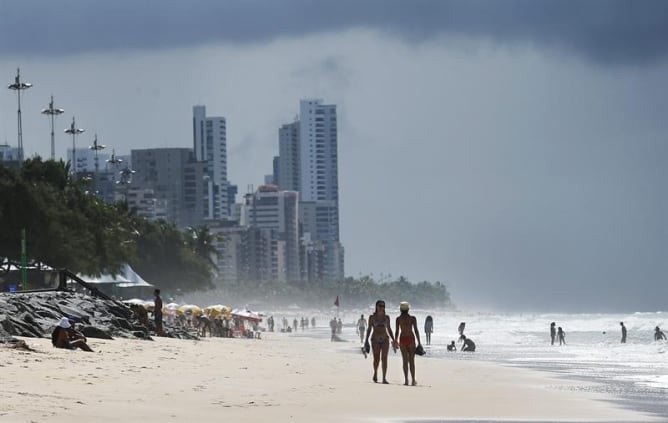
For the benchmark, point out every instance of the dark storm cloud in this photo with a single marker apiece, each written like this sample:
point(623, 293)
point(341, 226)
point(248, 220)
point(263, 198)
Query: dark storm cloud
point(604, 31)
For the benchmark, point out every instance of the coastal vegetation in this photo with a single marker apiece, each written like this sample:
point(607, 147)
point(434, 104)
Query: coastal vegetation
point(66, 225)
point(353, 293)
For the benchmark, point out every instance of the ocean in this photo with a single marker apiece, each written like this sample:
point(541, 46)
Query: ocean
point(634, 374)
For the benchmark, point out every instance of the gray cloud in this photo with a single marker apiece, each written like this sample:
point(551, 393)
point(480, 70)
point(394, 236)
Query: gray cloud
point(604, 31)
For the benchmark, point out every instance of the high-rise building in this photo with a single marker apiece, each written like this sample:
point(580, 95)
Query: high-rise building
point(318, 152)
point(289, 163)
point(86, 160)
point(308, 163)
point(177, 181)
point(269, 208)
point(210, 145)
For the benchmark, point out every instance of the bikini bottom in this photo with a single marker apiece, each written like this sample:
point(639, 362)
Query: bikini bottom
point(407, 340)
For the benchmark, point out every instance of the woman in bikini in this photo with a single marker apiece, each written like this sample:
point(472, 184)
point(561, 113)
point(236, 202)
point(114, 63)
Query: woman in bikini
point(379, 324)
point(407, 331)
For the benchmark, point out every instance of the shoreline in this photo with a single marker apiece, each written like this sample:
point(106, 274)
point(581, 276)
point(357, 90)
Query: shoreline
point(278, 378)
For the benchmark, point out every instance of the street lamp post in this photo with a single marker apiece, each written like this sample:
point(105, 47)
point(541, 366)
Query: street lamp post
point(19, 86)
point(53, 112)
point(97, 147)
point(126, 180)
point(74, 131)
point(114, 162)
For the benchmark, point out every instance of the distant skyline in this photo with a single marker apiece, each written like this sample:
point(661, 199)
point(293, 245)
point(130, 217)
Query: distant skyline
point(516, 150)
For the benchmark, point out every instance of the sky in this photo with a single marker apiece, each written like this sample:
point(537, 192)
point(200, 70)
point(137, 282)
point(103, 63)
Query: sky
point(516, 150)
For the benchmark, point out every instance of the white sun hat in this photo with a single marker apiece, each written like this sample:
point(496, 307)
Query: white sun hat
point(64, 323)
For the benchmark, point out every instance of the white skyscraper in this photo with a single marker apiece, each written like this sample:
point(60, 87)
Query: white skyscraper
point(318, 151)
point(308, 163)
point(210, 143)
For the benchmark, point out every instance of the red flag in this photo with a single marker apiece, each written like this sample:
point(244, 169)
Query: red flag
point(336, 302)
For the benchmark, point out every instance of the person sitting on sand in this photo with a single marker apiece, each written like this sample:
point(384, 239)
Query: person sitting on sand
point(379, 324)
point(468, 345)
point(64, 336)
point(452, 347)
point(407, 332)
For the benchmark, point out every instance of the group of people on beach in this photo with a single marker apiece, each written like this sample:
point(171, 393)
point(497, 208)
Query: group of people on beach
point(406, 338)
point(557, 333)
point(561, 335)
point(376, 333)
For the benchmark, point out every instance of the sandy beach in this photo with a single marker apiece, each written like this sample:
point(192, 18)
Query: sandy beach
point(278, 378)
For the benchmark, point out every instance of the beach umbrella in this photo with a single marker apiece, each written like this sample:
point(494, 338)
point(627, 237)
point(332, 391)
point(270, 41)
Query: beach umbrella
point(217, 310)
point(190, 309)
point(247, 315)
point(136, 301)
point(170, 309)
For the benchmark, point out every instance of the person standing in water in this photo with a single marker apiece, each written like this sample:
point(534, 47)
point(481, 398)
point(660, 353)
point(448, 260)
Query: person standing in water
point(658, 334)
point(553, 332)
point(623, 332)
point(406, 331)
point(379, 324)
point(428, 328)
point(561, 335)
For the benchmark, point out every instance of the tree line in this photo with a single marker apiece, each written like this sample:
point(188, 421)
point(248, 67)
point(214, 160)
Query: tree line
point(353, 293)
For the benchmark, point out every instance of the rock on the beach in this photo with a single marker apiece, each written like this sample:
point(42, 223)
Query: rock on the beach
point(36, 314)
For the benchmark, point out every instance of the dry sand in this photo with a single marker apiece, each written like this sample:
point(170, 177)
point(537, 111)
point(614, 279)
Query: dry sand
point(278, 378)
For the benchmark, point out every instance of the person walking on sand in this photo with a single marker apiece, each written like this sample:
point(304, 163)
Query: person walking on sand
point(406, 331)
point(561, 335)
point(428, 328)
point(553, 332)
point(332, 326)
point(379, 324)
point(157, 312)
point(361, 328)
point(623, 332)
point(658, 334)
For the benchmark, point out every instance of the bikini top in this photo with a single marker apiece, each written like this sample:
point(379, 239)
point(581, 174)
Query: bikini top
point(379, 323)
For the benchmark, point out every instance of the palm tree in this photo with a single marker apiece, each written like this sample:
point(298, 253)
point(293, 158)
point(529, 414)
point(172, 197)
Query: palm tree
point(201, 243)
